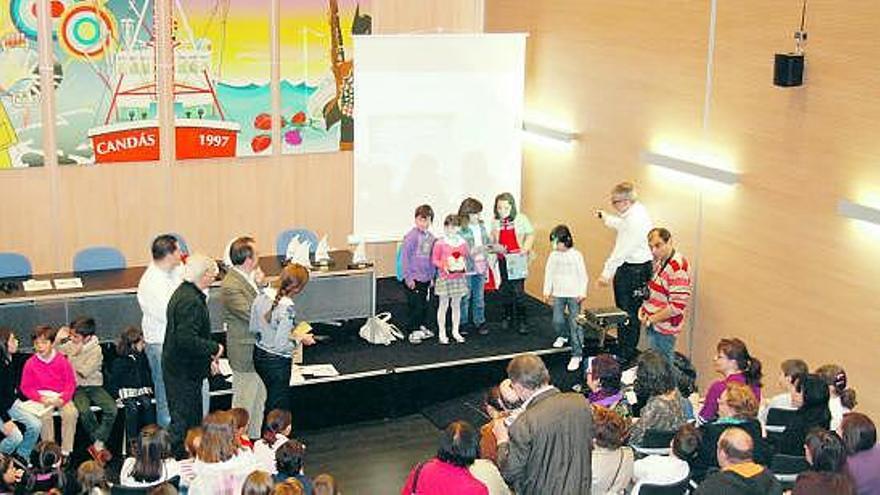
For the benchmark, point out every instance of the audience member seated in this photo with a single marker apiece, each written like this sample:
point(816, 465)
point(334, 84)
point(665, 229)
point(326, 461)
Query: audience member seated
point(860, 437)
point(827, 475)
point(242, 423)
point(669, 469)
point(92, 479)
point(488, 474)
point(737, 407)
point(191, 444)
point(789, 370)
point(48, 378)
point(737, 365)
point(130, 382)
point(612, 462)
point(276, 432)
point(11, 404)
point(656, 388)
point(841, 399)
point(289, 487)
point(11, 474)
point(82, 348)
point(290, 460)
point(448, 472)
point(811, 398)
point(739, 474)
point(500, 404)
point(46, 472)
point(221, 465)
point(153, 462)
point(324, 484)
point(258, 483)
point(604, 387)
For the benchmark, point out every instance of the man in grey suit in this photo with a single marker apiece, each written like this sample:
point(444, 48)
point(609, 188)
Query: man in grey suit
point(548, 448)
point(239, 288)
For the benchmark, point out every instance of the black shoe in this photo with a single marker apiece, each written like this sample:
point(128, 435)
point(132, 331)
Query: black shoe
point(522, 329)
point(483, 329)
point(505, 324)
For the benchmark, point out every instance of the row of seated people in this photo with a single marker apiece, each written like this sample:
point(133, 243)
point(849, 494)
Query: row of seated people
point(649, 433)
point(221, 459)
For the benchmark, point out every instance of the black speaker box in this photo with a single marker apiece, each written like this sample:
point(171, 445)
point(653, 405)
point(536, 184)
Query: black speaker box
point(788, 69)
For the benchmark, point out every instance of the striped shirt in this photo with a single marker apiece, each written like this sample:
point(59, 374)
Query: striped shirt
point(671, 287)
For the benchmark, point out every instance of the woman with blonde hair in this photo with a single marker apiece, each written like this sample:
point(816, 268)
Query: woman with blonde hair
point(279, 339)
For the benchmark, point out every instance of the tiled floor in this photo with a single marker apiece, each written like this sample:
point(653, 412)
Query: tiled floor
point(372, 458)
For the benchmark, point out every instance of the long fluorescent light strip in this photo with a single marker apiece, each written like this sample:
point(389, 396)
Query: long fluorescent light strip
point(691, 168)
point(549, 132)
point(857, 211)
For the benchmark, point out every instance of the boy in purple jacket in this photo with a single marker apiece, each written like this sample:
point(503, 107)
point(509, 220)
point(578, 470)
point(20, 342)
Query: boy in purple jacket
point(418, 274)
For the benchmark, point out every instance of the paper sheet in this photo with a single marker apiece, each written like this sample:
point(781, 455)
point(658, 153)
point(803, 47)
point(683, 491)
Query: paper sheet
point(68, 283)
point(225, 369)
point(319, 370)
point(34, 285)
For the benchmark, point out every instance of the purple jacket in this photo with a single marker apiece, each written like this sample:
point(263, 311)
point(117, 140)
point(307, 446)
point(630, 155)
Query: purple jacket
point(863, 470)
point(416, 256)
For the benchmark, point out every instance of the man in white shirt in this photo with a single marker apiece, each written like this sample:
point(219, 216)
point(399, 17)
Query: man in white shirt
point(155, 288)
point(629, 263)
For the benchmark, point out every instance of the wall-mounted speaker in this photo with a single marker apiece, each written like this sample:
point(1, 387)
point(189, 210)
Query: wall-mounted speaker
point(788, 69)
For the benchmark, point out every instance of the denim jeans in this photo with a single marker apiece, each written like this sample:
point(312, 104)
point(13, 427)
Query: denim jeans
point(475, 301)
point(22, 444)
point(154, 356)
point(662, 343)
point(566, 324)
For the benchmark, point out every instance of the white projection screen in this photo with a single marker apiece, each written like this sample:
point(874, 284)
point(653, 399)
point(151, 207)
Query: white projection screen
point(437, 118)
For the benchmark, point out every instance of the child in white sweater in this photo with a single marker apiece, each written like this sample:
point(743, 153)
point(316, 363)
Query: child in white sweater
point(565, 287)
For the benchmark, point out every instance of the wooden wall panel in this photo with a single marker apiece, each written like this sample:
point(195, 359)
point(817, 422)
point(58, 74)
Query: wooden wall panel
point(777, 266)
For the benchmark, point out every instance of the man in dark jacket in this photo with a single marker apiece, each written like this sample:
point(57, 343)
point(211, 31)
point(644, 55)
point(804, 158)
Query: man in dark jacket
point(188, 353)
point(547, 450)
point(739, 474)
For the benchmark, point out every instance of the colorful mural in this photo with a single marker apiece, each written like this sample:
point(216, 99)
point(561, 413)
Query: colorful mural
point(222, 66)
point(21, 138)
point(317, 94)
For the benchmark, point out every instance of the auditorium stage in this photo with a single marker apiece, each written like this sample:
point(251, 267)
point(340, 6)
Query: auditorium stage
point(378, 381)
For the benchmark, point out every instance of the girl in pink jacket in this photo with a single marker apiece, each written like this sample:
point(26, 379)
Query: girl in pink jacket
point(450, 257)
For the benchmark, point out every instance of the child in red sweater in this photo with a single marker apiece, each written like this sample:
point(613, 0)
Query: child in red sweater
point(48, 378)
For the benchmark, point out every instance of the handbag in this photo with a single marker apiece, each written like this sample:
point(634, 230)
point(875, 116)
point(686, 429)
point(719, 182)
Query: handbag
point(379, 330)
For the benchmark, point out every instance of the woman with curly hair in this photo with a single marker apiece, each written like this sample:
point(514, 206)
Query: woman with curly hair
point(612, 461)
point(656, 388)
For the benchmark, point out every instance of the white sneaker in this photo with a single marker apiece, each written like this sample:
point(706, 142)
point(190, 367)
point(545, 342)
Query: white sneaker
point(458, 338)
point(426, 334)
point(560, 342)
point(574, 363)
point(443, 339)
point(415, 338)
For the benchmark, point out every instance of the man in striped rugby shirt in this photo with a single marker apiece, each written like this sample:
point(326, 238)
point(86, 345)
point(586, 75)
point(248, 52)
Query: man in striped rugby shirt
point(663, 312)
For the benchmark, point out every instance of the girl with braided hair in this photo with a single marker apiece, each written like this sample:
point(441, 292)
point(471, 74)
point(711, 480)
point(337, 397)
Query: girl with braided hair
point(273, 319)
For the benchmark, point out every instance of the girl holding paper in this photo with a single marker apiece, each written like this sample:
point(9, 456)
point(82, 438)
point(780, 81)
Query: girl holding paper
point(514, 234)
point(279, 338)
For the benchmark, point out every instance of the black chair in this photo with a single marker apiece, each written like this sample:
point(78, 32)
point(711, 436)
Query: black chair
point(127, 490)
point(777, 421)
point(681, 488)
point(655, 442)
point(787, 467)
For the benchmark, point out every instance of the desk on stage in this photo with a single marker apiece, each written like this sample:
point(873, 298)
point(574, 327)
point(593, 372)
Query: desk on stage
point(110, 296)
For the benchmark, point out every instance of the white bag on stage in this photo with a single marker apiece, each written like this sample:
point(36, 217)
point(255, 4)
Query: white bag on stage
point(379, 330)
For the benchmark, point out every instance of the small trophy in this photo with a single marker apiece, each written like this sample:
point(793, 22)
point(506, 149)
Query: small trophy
point(359, 258)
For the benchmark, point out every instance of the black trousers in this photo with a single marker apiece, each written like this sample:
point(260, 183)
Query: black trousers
point(418, 302)
point(275, 373)
point(513, 295)
point(184, 394)
point(628, 278)
point(139, 412)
